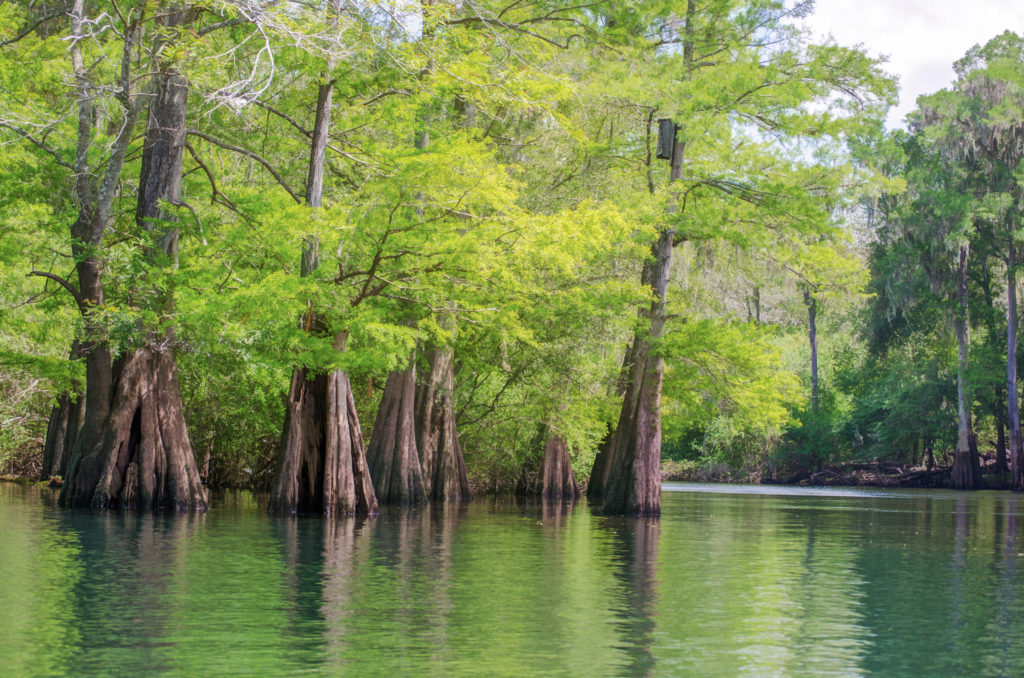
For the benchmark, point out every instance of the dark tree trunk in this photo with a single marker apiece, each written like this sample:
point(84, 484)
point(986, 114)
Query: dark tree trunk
point(599, 471)
point(1001, 462)
point(633, 475)
point(812, 336)
point(1013, 408)
point(559, 479)
point(437, 440)
point(62, 429)
point(966, 473)
point(322, 460)
point(140, 457)
point(632, 469)
point(391, 455)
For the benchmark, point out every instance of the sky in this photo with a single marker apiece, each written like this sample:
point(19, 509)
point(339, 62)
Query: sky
point(921, 38)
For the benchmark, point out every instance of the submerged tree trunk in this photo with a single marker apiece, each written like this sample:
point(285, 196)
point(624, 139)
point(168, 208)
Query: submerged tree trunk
point(62, 429)
point(966, 473)
point(391, 455)
point(437, 440)
point(559, 479)
point(1013, 408)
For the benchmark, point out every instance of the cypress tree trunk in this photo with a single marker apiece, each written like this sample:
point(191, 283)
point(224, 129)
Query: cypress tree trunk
point(441, 461)
point(559, 479)
point(138, 456)
point(321, 462)
point(1013, 408)
point(62, 429)
point(812, 336)
point(599, 471)
point(966, 473)
point(632, 467)
point(391, 455)
point(143, 458)
point(633, 476)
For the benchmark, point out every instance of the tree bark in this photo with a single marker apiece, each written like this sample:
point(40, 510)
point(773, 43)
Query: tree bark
point(321, 463)
point(633, 475)
point(391, 455)
point(141, 457)
point(437, 440)
point(134, 449)
point(62, 429)
point(632, 467)
point(322, 459)
point(1013, 408)
point(812, 336)
point(966, 473)
point(559, 478)
point(599, 471)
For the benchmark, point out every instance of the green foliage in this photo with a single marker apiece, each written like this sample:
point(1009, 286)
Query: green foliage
point(489, 186)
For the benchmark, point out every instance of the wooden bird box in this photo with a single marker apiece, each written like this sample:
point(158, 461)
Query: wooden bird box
point(666, 138)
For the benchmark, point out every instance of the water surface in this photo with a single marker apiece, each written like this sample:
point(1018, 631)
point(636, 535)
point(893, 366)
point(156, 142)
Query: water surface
point(731, 581)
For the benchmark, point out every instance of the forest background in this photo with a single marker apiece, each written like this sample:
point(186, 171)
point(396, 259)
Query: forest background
point(490, 187)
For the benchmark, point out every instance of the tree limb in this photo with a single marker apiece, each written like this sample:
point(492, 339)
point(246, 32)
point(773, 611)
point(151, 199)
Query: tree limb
point(63, 283)
point(31, 27)
point(249, 154)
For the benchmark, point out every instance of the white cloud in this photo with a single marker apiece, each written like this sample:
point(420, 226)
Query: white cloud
point(922, 38)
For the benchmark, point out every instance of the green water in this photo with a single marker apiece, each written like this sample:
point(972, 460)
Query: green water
point(732, 581)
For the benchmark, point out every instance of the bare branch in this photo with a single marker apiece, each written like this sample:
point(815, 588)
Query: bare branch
point(249, 154)
point(33, 26)
point(38, 142)
point(63, 283)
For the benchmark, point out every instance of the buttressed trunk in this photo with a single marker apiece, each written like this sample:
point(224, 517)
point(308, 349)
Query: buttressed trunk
point(437, 441)
point(62, 429)
point(631, 465)
point(321, 462)
point(142, 459)
point(633, 474)
point(391, 455)
point(140, 456)
point(559, 479)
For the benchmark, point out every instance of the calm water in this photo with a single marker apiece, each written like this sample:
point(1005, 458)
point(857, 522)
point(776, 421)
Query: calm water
point(732, 581)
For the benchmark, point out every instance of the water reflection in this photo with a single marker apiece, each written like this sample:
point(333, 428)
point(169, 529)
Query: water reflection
point(732, 584)
point(635, 559)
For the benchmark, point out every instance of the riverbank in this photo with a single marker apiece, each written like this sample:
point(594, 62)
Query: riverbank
point(851, 474)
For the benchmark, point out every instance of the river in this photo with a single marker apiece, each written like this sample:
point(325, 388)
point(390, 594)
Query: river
point(731, 581)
